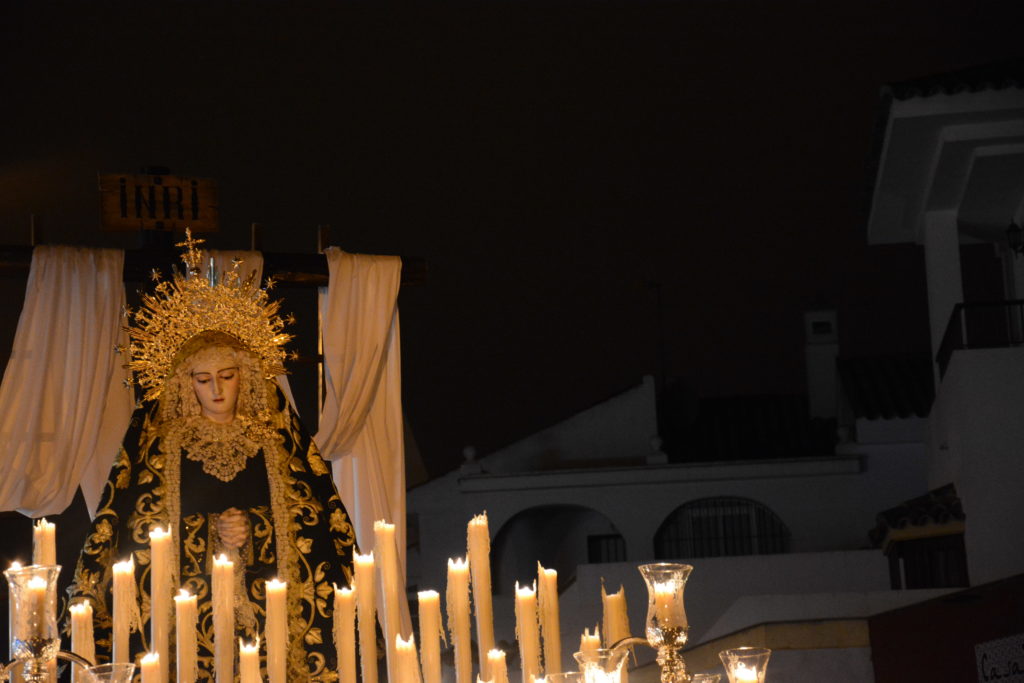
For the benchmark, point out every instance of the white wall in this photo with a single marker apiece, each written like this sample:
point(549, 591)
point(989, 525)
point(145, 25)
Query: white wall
point(977, 442)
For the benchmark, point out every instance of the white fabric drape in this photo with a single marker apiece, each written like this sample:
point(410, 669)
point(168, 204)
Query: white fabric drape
point(361, 419)
point(63, 404)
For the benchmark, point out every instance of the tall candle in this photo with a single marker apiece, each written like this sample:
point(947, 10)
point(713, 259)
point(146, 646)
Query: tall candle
point(160, 597)
point(151, 668)
point(457, 597)
point(35, 606)
point(547, 598)
point(125, 608)
point(277, 631)
point(82, 642)
point(406, 668)
point(366, 614)
point(616, 617)
point(249, 662)
point(497, 666)
point(185, 615)
point(431, 634)
point(479, 543)
point(224, 619)
point(528, 632)
point(44, 544)
point(345, 633)
point(387, 567)
point(590, 641)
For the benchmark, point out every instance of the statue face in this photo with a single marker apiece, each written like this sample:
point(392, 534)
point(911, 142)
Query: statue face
point(215, 379)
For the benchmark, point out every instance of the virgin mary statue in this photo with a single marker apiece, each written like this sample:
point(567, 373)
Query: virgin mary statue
point(216, 455)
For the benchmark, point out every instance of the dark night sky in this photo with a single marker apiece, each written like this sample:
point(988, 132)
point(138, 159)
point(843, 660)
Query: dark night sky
point(545, 159)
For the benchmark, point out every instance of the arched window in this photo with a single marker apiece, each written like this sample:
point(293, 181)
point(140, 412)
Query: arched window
point(716, 527)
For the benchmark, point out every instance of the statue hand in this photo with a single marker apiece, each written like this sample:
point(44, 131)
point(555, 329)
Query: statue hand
point(233, 528)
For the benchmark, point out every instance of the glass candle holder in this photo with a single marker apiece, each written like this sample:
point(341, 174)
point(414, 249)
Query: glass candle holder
point(666, 609)
point(745, 664)
point(602, 665)
point(706, 678)
point(33, 591)
point(121, 672)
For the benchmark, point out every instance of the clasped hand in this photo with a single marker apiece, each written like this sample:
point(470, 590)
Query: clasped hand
point(233, 528)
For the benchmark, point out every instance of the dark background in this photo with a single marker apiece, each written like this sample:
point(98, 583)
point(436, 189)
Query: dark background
point(560, 167)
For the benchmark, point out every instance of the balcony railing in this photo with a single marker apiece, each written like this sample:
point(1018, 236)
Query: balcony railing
point(982, 325)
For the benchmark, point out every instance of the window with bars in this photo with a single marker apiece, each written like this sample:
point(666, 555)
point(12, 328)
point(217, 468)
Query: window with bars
point(718, 527)
point(606, 548)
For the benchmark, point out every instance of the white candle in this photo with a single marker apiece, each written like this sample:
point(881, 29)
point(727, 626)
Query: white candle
point(366, 596)
point(224, 619)
point(407, 670)
point(387, 566)
point(590, 641)
point(497, 666)
point(741, 672)
point(125, 607)
point(151, 668)
point(160, 597)
point(431, 635)
point(479, 544)
point(35, 605)
point(185, 615)
point(345, 633)
point(277, 631)
point(547, 599)
point(44, 543)
point(668, 608)
point(249, 662)
point(82, 642)
point(528, 632)
point(616, 617)
point(457, 598)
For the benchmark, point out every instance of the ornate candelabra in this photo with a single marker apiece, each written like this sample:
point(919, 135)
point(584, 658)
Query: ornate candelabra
point(35, 641)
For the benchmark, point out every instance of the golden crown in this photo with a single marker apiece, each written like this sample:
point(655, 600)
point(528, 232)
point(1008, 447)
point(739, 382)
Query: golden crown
point(189, 305)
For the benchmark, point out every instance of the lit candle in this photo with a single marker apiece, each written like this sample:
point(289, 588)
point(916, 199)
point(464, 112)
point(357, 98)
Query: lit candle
point(223, 619)
point(741, 672)
point(185, 614)
point(667, 606)
point(151, 668)
point(457, 598)
point(44, 545)
point(125, 608)
point(547, 597)
point(528, 631)
point(497, 666)
point(345, 633)
point(249, 662)
point(479, 543)
point(82, 642)
point(387, 566)
point(590, 641)
point(431, 634)
point(406, 668)
point(366, 615)
point(160, 597)
point(36, 605)
point(277, 631)
point(615, 616)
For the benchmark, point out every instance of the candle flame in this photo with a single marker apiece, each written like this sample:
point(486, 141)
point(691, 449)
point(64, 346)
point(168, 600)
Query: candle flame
point(526, 591)
point(363, 559)
point(382, 524)
point(15, 566)
point(457, 563)
point(151, 658)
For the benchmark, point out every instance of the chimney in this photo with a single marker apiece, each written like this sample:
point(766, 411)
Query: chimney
point(821, 349)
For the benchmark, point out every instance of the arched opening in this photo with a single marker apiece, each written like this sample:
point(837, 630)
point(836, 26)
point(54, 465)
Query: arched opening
point(560, 537)
point(721, 526)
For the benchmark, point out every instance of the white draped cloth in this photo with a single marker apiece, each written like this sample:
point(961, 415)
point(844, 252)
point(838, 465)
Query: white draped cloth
point(64, 406)
point(361, 418)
